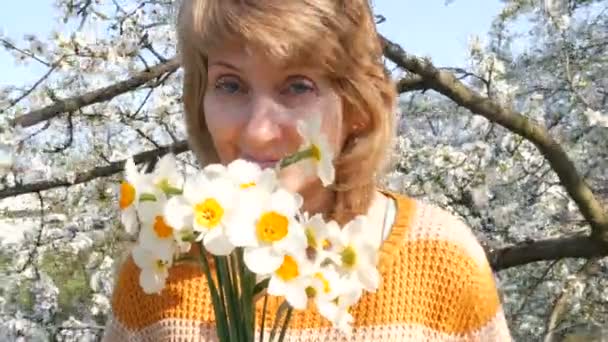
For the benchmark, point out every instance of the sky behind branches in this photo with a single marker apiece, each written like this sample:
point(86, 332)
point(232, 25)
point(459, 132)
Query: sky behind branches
point(423, 27)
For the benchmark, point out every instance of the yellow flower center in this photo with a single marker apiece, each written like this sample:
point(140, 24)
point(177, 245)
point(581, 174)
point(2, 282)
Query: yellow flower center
point(160, 265)
point(127, 195)
point(316, 152)
point(247, 185)
point(324, 281)
point(272, 226)
point(288, 269)
point(208, 213)
point(326, 244)
point(349, 256)
point(161, 228)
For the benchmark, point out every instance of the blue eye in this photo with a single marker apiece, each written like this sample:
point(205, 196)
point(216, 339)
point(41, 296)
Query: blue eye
point(299, 87)
point(228, 86)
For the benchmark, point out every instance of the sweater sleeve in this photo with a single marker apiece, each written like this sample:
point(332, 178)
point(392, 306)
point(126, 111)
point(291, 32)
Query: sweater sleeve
point(481, 305)
point(468, 288)
point(480, 301)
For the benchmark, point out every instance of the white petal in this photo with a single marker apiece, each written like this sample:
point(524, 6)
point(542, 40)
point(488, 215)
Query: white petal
point(326, 172)
point(267, 180)
point(213, 171)
point(151, 282)
point(224, 191)
point(243, 171)
point(302, 127)
point(131, 173)
point(296, 297)
point(315, 124)
point(369, 277)
point(142, 257)
point(350, 295)
point(149, 239)
point(165, 165)
point(354, 229)
point(262, 260)
point(284, 202)
point(178, 213)
point(276, 287)
point(193, 186)
point(129, 220)
point(148, 210)
point(241, 231)
point(327, 309)
point(217, 243)
point(295, 240)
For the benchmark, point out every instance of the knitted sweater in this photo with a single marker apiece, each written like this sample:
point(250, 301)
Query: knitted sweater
point(436, 286)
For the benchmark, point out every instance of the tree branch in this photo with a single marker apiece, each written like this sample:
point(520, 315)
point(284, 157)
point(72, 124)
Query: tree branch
point(446, 84)
point(549, 249)
point(410, 84)
point(98, 172)
point(103, 94)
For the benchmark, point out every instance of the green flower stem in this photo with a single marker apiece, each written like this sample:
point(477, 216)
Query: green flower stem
point(285, 324)
point(296, 157)
point(172, 191)
point(247, 283)
point(147, 197)
point(277, 318)
point(228, 297)
point(264, 307)
point(221, 324)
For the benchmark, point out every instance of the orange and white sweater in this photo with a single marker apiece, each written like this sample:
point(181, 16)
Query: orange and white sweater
point(436, 285)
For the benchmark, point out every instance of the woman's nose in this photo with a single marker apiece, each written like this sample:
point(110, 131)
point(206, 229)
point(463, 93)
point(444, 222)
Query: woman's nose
point(263, 124)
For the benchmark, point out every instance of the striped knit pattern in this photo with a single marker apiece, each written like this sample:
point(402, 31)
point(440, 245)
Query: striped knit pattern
point(436, 286)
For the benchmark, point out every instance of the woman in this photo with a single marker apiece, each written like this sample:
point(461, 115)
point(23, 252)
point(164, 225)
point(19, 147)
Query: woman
point(252, 69)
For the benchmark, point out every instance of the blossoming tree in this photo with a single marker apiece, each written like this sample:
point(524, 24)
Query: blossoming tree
point(515, 142)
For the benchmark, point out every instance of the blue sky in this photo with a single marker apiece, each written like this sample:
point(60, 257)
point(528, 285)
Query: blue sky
point(423, 27)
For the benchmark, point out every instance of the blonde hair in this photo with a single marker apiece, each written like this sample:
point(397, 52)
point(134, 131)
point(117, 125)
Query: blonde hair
point(339, 36)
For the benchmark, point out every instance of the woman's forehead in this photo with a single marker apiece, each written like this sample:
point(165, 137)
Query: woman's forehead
point(239, 52)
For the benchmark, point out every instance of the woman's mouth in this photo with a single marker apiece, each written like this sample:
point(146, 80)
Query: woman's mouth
point(264, 163)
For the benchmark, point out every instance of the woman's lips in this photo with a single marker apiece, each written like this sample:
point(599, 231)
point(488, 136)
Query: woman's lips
point(263, 163)
point(266, 164)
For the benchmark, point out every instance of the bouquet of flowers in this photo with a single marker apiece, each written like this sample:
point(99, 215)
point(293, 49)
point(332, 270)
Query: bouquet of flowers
point(255, 240)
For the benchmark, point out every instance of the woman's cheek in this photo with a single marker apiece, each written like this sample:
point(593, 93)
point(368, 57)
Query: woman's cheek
point(222, 123)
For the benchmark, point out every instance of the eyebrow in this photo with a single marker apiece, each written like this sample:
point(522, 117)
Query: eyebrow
point(225, 65)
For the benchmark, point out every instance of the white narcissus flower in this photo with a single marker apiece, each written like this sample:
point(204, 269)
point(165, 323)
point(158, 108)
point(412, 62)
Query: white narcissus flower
point(132, 188)
point(158, 235)
point(167, 177)
point(246, 174)
point(325, 285)
point(206, 207)
point(357, 255)
point(337, 309)
point(292, 279)
point(267, 228)
point(154, 266)
point(318, 238)
point(321, 152)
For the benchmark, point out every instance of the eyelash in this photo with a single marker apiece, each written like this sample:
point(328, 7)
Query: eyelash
point(221, 85)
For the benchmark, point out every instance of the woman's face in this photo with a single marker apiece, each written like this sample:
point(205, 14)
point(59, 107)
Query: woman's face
point(252, 107)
